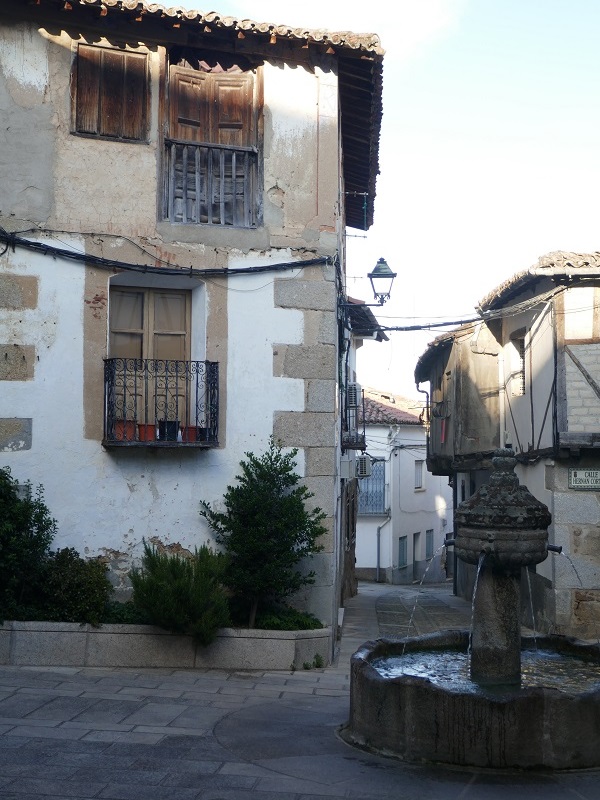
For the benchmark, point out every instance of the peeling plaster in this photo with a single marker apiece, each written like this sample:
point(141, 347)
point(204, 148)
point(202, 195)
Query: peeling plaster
point(24, 59)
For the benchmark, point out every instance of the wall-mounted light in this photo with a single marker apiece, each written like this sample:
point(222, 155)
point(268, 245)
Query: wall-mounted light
point(381, 279)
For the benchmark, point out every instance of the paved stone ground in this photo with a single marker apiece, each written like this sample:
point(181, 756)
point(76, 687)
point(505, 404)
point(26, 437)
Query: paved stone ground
point(154, 734)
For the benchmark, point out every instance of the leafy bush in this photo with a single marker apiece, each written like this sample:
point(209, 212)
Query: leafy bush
point(74, 589)
point(35, 583)
point(287, 619)
point(182, 595)
point(26, 533)
point(266, 529)
point(116, 613)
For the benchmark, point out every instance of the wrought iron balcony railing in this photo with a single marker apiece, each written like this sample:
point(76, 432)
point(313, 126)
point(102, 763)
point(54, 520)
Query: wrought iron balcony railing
point(160, 403)
point(211, 184)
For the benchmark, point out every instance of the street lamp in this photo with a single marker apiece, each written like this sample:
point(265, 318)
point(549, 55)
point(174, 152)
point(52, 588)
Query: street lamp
point(381, 279)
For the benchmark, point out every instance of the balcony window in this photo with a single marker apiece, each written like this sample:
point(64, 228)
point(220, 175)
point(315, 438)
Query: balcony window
point(160, 403)
point(211, 151)
point(154, 393)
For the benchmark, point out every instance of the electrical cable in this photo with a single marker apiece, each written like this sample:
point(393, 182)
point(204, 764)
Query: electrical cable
point(11, 240)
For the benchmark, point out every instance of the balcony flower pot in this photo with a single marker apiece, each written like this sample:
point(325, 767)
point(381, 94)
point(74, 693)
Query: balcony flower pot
point(194, 433)
point(147, 432)
point(125, 430)
point(168, 430)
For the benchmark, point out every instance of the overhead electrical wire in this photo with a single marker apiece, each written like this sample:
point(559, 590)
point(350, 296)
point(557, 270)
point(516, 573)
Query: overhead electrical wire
point(12, 241)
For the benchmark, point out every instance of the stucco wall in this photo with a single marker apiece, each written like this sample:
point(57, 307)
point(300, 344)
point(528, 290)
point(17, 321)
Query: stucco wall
point(85, 184)
point(274, 334)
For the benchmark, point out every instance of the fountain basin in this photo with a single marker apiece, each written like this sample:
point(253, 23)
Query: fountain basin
point(419, 721)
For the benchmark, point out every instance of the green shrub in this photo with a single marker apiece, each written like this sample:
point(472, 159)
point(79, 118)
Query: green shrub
point(182, 595)
point(276, 618)
point(126, 613)
point(74, 589)
point(266, 530)
point(26, 533)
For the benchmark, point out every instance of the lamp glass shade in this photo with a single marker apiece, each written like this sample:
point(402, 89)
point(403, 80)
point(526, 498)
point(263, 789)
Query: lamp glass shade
point(382, 279)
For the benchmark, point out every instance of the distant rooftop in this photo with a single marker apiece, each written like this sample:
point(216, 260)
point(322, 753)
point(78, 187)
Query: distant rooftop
point(384, 408)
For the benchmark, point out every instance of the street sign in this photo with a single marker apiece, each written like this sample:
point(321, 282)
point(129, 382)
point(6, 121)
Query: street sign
point(584, 479)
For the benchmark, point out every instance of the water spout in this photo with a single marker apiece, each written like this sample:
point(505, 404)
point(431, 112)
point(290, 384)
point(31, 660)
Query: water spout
point(555, 548)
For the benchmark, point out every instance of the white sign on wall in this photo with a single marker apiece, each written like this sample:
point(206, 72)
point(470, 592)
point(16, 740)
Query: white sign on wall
point(584, 479)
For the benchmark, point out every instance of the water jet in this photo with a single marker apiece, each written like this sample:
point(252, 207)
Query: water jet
point(465, 697)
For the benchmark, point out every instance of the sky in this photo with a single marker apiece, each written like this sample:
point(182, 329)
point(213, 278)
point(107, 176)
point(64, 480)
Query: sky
point(489, 151)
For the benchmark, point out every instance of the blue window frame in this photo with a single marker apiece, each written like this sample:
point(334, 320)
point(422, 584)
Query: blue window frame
point(371, 496)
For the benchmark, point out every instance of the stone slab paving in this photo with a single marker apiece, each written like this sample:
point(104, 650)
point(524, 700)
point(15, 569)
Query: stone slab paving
point(156, 734)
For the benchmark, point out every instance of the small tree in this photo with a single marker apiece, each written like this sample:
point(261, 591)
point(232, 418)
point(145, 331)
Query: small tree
point(266, 529)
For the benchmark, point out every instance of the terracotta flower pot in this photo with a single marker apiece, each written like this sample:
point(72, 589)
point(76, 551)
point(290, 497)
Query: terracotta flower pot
point(125, 430)
point(146, 432)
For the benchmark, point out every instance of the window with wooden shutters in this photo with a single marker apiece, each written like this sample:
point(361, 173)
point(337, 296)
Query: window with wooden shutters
point(111, 95)
point(212, 147)
point(154, 394)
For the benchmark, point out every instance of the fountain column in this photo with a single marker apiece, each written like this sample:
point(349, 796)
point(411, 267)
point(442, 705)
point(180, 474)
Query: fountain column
point(501, 529)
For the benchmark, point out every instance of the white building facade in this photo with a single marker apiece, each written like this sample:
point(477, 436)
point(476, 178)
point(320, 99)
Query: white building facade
point(404, 512)
point(172, 261)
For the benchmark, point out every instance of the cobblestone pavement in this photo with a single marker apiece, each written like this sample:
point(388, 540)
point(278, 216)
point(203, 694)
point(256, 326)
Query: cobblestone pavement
point(156, 734)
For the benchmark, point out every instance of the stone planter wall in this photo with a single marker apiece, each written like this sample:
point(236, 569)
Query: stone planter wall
point(72, 645)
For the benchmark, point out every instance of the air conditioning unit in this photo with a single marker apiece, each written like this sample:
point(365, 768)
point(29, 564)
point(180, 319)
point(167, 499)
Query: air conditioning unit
point(363, 466)
point(347, 468)
point(353, 395)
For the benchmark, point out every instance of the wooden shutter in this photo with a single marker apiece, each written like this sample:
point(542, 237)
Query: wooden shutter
point(212, 108)
point(232, 110)
point(135, 97)
point(88, 89)
point(112, 93)
point(189, 105)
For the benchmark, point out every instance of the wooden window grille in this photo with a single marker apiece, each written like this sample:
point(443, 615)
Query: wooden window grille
point(211, 153)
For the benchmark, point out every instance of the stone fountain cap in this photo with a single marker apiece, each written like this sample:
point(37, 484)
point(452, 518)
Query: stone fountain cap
point(503, 502)
point(502, 521)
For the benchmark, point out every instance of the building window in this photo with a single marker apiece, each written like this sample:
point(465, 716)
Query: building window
point(211, 158)
point(429, 543)
point(419, 466)
point(149, 323)
point(371, 498)
point(154, 392)
point(111, 97)
point(402, 551)
point(517, 366)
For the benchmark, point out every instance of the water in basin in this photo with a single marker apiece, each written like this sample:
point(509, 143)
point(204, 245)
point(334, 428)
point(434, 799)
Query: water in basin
point(450, 670)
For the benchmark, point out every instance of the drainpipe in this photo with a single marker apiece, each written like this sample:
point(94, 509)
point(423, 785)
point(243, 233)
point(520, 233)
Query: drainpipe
point(379, 527)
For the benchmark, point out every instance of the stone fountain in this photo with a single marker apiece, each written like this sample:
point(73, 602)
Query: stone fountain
point(403, 703)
